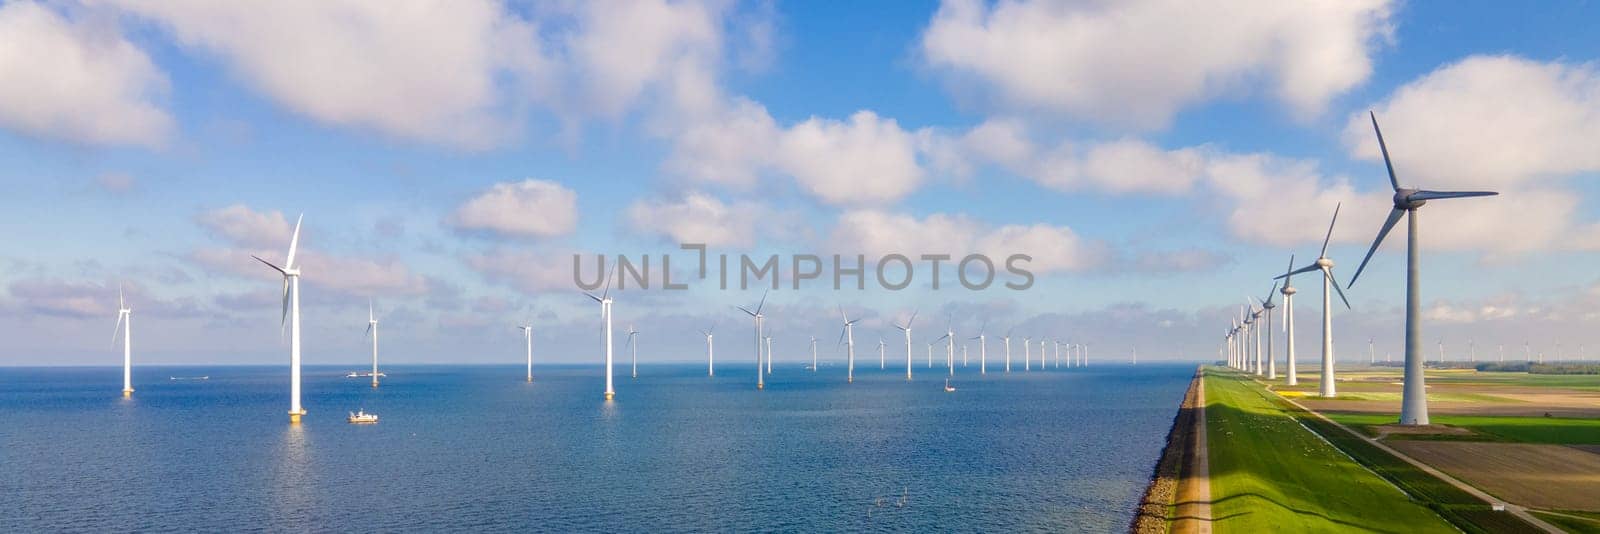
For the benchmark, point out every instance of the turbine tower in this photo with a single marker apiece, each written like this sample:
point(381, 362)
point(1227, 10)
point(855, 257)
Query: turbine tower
point(1326, 266)
point(769, 353)
point(848, 338)
point(813, 354)
point(1027, 353)
point(605, 331)
point(1252, 338)
point(711, 356)
point(633, 350)
point(761, 380)
point(372, 332)
point(1414, 401)
point(907, 330)
point(291, 316)
point(124, 327)
point(1041, 354)
point(527, 338)
point(949, 338)
point(983, 349)
point(1288, 320)
point(1266, 307)
point(1007, 339)
point(882, 362)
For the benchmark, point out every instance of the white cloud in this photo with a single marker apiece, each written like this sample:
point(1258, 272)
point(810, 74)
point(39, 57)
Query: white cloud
point(1487, 121)
point(240, 225)
point(729, 148)
point(866, 160)
point(1136, 63)
point(700, 218)
point(429, 71)
point(1053, 248)
point(266, 234)
point(527, 270)
point(77, 80)
point(623, 47)
point(530, 208)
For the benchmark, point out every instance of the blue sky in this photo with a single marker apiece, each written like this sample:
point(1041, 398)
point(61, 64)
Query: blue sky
point(1161, 162)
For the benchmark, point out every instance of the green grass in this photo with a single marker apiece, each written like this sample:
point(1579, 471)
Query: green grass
point(1268, 474)
point(1551, 430)
point(1571, 524)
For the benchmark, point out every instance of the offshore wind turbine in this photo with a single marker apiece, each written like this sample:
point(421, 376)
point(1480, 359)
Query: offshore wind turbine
point(372, 332)
point(882, 362)
point(761, 380)
point(813, 354)
point(125, 327)
point(1041, 354)
point(1027, 353)
point(1414, 400)
point(527, 338)
point(949, 338)
point(1288, 292)
point(848, 338)
point(291, 318)
point(907, 330)
point(1007, 339)
point(983, 349)
point(1326, 266)
point(711, 358)
point(605, 331)
point(633, 349)
point(769, 352)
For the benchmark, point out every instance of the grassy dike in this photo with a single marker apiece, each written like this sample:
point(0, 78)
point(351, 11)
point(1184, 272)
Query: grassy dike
point(1270, 474)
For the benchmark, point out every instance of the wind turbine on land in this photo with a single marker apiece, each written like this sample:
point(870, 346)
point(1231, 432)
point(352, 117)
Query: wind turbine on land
point(291, 317)
point(605, 331)
point(761, 381)
point(1252, 337)
point(125, 327)
point(1414, 401)
point(847, 336)
point(1288, 292)
point(1326, 266)
point(1266, 307)
point(711, 359)
point(372, 332)
point(1372, 352)
point(907, 330)
point(527, 338)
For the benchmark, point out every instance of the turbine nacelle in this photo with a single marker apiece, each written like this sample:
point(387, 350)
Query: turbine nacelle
point(1324, 263)
point(1404, 199)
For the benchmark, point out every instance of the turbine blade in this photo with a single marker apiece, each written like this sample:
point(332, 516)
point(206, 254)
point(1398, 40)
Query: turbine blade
point(941, 338)
point(1436, 195)
point(1394, 217)
point(842, 314)
point(609, 272)
point(283, 323)
point(591, 295)
point(294, 243)
point(1335, 283)
point(1305, 269)
point(913, 318)
point(841, 336)
point(1328, 237)
point(369, 331)
point(269, 264)
point(763, 302)
point(1393, 182)
point(1287, 270)
point(116, 330)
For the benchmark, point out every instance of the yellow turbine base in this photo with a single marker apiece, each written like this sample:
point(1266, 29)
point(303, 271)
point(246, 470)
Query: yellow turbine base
point(610, 395)
point(294, 417)
point(127, 393)
point(761, 386)
point(374, 383)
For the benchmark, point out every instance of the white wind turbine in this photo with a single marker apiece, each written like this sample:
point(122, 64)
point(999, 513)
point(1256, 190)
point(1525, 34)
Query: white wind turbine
point(949, 338)
point(983, 349)
point(1041, 354)
point(813, 354)
point(633, 349)
point(1288, 292)
point(761, 381)
point(605, 316)
point(1253, 319)
point(711, 357)
point(527, 338)
point(769, 353)
point(372, 332)
point(1027, 353)
point(1372, 352)
point(1055, 355)
point(907, 330)
point(291, 316)
point(1326, 266)
point(1414, 401)
point(848, 338)
point(882, 361)
point(1266, 310)
point(1007, 339)
point(125, 327)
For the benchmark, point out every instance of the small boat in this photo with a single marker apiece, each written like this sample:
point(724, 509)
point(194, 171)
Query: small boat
point(361, 416)
point(189, 378)
point(352, 375)
point(947, 387)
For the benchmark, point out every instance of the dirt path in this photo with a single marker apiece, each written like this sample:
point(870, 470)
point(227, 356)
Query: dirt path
point(1519, 511)
point(1193, 506)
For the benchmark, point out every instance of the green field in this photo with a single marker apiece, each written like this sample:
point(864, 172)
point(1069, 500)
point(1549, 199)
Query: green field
point(1550, 430)
point(1571, 524)
point(1269, 474)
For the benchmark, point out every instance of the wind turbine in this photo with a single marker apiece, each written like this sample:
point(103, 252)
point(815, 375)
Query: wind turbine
point(1326, 266)
point(1266, 308)
point(930, 354)
point(983, 349)
point(761, 380)
point(1372, 353)
point(1472, 351)
point(1414, 400)
point(1441, 350)
point(1027, 353)
point(633, 349)
point(949, 338)
point(769, 352)
point(1252, 337)
point(527, 338)
point(372, 332)
point(291, 316)
point(711, 359)
point(1041, 354)
point(847, 336)
point(882, 362)
point(813, 354)
point(1288, 292)
point(907, 330)
point(125, 327)
point(1007, 340)
point(605, 316)
point(1055, 356)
